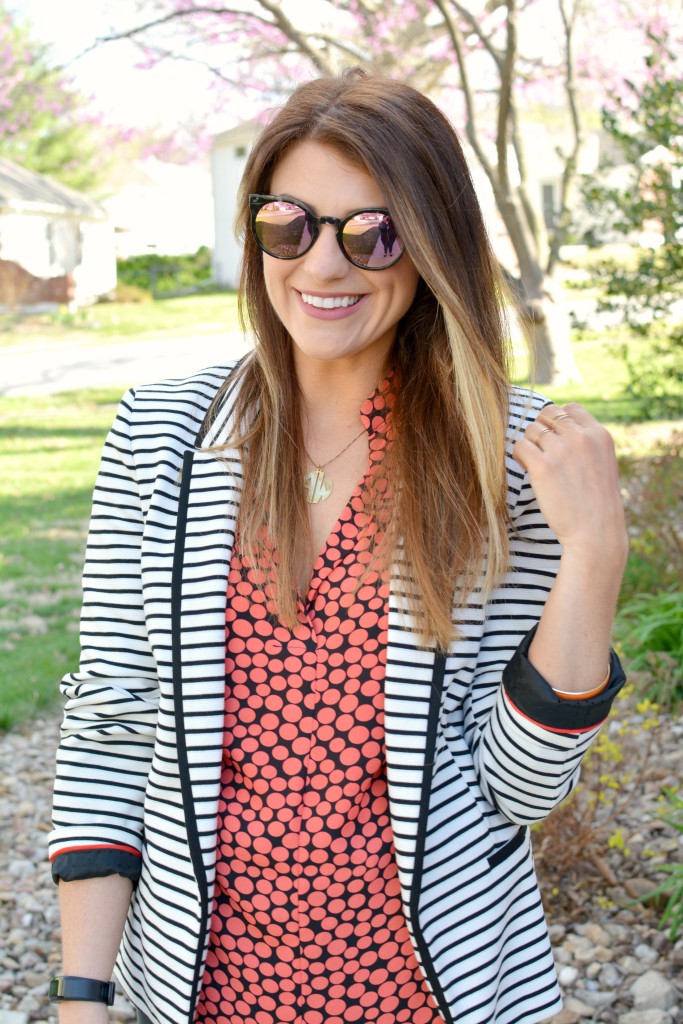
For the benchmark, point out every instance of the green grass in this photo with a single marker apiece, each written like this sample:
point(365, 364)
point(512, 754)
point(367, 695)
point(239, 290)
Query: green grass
point(107, 321)
point(50, 451)
point(601, 389)
point(603, 377)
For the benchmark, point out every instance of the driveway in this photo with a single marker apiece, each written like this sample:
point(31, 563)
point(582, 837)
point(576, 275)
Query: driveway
point(43, 369)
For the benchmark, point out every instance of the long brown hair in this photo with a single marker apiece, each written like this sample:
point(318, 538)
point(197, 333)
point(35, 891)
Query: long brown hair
point(450, 413)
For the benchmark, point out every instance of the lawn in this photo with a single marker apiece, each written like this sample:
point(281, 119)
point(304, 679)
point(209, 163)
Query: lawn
point(107, 321)
point(50, 450)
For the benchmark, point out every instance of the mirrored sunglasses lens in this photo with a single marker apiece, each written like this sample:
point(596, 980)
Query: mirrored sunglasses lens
point(371, 241)
point(282, 229)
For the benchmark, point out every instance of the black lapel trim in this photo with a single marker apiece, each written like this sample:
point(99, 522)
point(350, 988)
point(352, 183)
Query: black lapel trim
point(183, 763)
point(430, 746)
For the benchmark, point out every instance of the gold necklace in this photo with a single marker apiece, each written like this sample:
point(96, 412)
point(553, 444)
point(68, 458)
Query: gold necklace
point(317, 488)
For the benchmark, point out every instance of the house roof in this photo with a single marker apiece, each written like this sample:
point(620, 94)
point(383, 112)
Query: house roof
point(25, 191)
point(244, 132)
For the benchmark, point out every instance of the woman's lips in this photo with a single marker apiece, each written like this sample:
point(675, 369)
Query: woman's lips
point(336, 312)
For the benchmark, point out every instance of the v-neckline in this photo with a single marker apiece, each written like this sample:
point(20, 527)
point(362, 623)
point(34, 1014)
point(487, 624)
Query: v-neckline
point(306, 600)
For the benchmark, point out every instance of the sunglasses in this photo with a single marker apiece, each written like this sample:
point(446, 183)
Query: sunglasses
point(285, 228)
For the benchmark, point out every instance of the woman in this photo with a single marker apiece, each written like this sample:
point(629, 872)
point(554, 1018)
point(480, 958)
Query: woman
point(317, 788)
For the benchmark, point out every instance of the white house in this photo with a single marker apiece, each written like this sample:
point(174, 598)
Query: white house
point(161, 207)
point(56, 244)
point(228, 157)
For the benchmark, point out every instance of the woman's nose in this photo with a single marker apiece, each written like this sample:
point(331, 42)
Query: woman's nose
point(325, 259)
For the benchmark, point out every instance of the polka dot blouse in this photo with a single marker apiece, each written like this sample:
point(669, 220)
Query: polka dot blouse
point(308, 925)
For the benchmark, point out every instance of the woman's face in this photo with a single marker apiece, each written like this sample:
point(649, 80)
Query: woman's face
point(364, 329)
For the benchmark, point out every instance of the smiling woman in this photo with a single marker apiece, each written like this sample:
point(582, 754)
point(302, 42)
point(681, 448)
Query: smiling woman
point(347, 618)
point(326, 284)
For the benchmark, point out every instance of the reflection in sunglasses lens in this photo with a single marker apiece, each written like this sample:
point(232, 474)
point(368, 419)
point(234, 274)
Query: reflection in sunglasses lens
point(371, 241)
point(282, 229)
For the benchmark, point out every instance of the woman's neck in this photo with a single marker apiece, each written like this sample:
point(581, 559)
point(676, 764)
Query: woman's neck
point(333, 392)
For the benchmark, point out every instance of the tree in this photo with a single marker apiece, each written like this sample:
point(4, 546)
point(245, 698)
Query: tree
point(646, 124)
point(45, 124)
point(469, 49)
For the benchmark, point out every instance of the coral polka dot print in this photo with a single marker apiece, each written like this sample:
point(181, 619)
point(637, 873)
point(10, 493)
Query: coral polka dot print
point(308, 925)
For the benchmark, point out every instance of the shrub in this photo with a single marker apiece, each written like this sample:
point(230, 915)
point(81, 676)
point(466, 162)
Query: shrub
point(131, 293)
point(651, 631)
point(650, 620)
point(645, 125)
point(653, 488)
point(167, 275)
point(673, 886)
point(654, 622)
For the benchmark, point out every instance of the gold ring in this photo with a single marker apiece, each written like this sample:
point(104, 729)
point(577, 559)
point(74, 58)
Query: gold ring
point(561, 416)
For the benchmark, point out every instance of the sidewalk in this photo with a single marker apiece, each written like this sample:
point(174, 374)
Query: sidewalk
point(48, 368)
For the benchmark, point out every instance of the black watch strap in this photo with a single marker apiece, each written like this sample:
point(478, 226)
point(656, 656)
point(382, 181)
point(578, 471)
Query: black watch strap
point(86, 989)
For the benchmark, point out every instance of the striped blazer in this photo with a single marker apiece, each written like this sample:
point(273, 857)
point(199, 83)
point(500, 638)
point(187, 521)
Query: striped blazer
point(478, 746)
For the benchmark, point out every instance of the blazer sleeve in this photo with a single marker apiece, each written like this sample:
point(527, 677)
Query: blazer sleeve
point(111, 703)
point(527, 743)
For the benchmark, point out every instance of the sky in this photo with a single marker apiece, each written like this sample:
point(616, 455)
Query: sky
point(168, 95)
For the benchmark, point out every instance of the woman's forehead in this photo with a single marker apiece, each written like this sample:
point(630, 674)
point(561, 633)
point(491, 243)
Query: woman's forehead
point(319, 174)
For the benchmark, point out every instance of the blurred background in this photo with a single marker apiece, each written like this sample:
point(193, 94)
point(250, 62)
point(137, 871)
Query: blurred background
point(124, 129)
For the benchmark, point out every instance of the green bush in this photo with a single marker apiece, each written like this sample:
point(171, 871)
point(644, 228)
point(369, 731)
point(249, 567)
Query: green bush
point(653, 486)
point(167, 275)
point(645, 125)
point(654, 622)
point(651, 630)
point(673, 886)
point(132, 293)
point(649, 624)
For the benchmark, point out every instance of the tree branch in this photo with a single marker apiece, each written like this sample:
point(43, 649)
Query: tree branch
point(214, 69)
point(298, 38)
point(456, 39)
point(277, 20)
point(530, 211)
point(478, 31)
point(165, 19)
point(505, 102)
point(344, 47)
point(572, 158)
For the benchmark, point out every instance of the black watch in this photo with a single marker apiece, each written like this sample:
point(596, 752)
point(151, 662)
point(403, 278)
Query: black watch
point(84, 989)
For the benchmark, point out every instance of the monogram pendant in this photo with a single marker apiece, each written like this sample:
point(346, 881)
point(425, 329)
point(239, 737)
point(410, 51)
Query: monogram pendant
point(317, 488)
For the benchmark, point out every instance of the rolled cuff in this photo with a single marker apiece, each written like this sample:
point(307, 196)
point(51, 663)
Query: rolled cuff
point(535, 698)
point(76, 865)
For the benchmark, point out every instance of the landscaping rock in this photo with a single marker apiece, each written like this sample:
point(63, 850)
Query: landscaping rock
point(13, 1017)
point(645, 1017)
point(653, 991)
point(646, 953)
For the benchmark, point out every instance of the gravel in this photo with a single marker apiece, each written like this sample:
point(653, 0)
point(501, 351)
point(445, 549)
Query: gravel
point(615, 964)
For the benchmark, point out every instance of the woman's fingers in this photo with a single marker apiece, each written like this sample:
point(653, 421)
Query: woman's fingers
point(571, 462)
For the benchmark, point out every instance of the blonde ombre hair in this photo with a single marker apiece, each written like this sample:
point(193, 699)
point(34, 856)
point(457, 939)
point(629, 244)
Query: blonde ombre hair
point(448, 512)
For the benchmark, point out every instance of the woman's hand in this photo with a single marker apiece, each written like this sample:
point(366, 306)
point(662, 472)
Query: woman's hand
point(573, 469)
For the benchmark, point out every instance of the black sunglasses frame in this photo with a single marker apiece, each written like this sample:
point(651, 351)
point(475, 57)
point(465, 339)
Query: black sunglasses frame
point(258, 200)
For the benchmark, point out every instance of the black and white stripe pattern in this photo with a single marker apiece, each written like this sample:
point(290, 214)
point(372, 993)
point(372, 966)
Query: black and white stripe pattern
point(139, 762)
